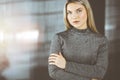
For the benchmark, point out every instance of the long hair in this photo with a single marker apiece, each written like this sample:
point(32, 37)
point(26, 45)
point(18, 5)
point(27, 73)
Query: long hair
point(90, 18)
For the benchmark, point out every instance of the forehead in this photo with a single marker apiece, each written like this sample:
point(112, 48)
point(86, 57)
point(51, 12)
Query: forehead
point(74, 6)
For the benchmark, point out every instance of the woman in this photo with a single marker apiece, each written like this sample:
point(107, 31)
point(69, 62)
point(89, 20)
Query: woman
point(80, 52)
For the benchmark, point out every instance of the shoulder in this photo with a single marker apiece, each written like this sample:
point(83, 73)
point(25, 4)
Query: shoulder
point(62, 34)
point(100, 38)
point(98, 35)
point(59, 37)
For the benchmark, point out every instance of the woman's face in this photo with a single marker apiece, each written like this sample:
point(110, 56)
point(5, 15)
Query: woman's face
point(77, 15)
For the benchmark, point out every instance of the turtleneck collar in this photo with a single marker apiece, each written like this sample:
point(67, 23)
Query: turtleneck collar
point(80, 30)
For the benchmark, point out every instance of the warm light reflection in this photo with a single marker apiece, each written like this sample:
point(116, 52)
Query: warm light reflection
point(1, 36)
point(27, 36)
point(19, 40)
point(20, 37)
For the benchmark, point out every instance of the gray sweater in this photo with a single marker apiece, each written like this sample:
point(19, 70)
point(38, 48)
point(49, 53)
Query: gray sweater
point(85, 52)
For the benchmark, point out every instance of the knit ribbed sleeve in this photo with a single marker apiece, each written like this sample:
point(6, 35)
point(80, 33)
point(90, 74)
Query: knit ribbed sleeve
point(85, 52)
point(97, 70)
point(57, 73)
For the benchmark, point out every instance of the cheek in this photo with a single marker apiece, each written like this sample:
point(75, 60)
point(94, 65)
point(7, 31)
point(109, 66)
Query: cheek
point(69, 18)
point(83, 16)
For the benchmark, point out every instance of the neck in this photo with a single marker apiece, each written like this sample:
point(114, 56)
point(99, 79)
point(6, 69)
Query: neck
point(81, 28)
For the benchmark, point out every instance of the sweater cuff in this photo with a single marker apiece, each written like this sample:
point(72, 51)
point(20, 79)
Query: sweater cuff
point(67, 67)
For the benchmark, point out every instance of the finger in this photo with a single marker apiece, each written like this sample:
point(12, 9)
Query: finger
point(54, 55)
point(51, 61)
point(52, 64)
point(52, 58)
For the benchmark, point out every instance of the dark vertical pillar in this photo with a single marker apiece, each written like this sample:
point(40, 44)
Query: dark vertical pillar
point(98, 7)
point(112, 32)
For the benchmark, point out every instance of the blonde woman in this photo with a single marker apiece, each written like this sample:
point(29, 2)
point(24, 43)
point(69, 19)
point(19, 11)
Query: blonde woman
point(80, 52)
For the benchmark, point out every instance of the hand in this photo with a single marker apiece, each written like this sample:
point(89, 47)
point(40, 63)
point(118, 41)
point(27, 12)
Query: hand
point(58, 60)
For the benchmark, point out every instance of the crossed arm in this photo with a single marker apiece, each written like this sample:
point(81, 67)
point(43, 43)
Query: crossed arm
point(59, 67)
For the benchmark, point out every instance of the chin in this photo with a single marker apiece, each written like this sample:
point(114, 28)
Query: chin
point(76, 27)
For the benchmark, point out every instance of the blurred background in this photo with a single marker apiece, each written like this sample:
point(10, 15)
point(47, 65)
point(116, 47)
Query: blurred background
point(27, 27)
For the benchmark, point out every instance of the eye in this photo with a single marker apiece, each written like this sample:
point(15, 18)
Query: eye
point(79, 10)
point(69, 12)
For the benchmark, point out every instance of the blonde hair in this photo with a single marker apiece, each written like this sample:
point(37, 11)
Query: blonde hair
point(90, 18)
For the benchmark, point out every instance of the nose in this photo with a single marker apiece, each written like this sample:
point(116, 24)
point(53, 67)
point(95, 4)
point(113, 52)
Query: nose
point(74, 15)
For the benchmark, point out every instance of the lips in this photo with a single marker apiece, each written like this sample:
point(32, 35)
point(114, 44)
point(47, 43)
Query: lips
point(76, 22)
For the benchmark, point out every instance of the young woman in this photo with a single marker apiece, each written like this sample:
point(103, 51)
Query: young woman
point(80, 52)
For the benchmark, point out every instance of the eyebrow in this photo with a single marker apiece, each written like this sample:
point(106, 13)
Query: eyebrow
point(76, 9)
point(79, 8)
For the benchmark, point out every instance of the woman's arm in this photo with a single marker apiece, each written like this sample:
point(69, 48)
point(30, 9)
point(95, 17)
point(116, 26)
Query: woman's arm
point(96, 71)
point(56, 72)
point(59, 61)
point(59, 74)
